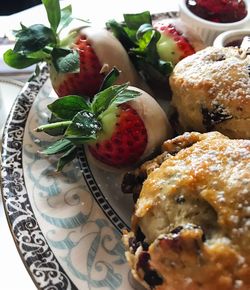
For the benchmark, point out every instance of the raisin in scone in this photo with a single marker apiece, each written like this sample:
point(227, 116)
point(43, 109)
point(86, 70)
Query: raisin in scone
point(191, 225)
point(211, 91)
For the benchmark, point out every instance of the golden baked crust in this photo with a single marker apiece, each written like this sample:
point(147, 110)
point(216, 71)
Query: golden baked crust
point(195, 214)
point(211, 91)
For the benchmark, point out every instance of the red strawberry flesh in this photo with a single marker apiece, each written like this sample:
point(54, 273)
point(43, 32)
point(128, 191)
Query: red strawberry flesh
point(88, 81)
point(174, 45)
point(127, 142)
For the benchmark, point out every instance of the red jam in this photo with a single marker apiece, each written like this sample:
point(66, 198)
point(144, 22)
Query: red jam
point(236, 42)
point(221, 11)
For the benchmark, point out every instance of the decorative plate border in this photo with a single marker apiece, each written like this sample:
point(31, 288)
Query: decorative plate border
point(29, 239)
point(98, 194)
point(164, 15)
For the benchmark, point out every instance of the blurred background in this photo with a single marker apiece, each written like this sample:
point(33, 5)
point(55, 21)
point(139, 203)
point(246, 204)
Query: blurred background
point(10, 7)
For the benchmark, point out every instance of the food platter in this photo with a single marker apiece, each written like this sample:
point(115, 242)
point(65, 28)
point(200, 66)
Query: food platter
point(66, 226)
point(70, 225)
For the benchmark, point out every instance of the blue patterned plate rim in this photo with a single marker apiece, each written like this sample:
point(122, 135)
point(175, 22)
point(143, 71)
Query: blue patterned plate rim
point(14, 192)
point(98, 195)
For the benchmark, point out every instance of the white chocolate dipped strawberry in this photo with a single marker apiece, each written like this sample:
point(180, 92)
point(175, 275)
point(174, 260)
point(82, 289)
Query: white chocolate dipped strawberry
point(121, 126)
point(99, 51)
point(131, 131)
point(154, 47)
point(79, 61)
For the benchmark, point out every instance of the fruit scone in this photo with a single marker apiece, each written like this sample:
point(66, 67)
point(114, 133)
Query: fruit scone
point(211, 91)
point(191, 225)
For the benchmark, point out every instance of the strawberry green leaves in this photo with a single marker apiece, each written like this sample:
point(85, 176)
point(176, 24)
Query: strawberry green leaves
point(134, 21)
point(58, 147)
point(67, 107)
point(64, 147)
point(139, 38)
point(38, 42)
point(33, 38)
point(66, 18)
point(65, 60)
point(30, 47)
point(117, 94)
point(53, 13)
point(110, 79)
point(19, 61)
point(67, 157)
point(84, 128)
point(33, 45)
point(79, 121)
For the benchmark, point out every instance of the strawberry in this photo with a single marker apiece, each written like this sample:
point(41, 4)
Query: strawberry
point(154, 48)
point(172, 45)
point(116, 126)
point(128, 141)
point(79, 61)
point(90, 69)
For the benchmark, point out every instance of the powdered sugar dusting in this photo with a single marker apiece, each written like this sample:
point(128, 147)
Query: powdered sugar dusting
point(222, 70)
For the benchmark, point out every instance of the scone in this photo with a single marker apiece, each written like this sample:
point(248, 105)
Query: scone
point(211, 91)
point(191, 225)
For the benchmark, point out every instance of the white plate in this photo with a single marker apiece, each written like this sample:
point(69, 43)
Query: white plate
point(10, 259)
point(66, 225)
point(8, 91)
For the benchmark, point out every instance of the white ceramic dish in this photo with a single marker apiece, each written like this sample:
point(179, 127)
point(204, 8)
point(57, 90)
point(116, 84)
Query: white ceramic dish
point(230, 36)
point(8, 91)
point(9, 256)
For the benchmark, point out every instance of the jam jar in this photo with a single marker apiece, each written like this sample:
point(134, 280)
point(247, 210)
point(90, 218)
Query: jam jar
point(210, 18)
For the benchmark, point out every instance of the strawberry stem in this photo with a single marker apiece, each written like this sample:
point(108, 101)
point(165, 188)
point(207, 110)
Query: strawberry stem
point(53, 126)
point(70, 38)
point(48, 49)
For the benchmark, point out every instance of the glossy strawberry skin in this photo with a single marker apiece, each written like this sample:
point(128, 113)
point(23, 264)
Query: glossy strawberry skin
point(127, 143)
point(85, 83)
point(182, 47)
